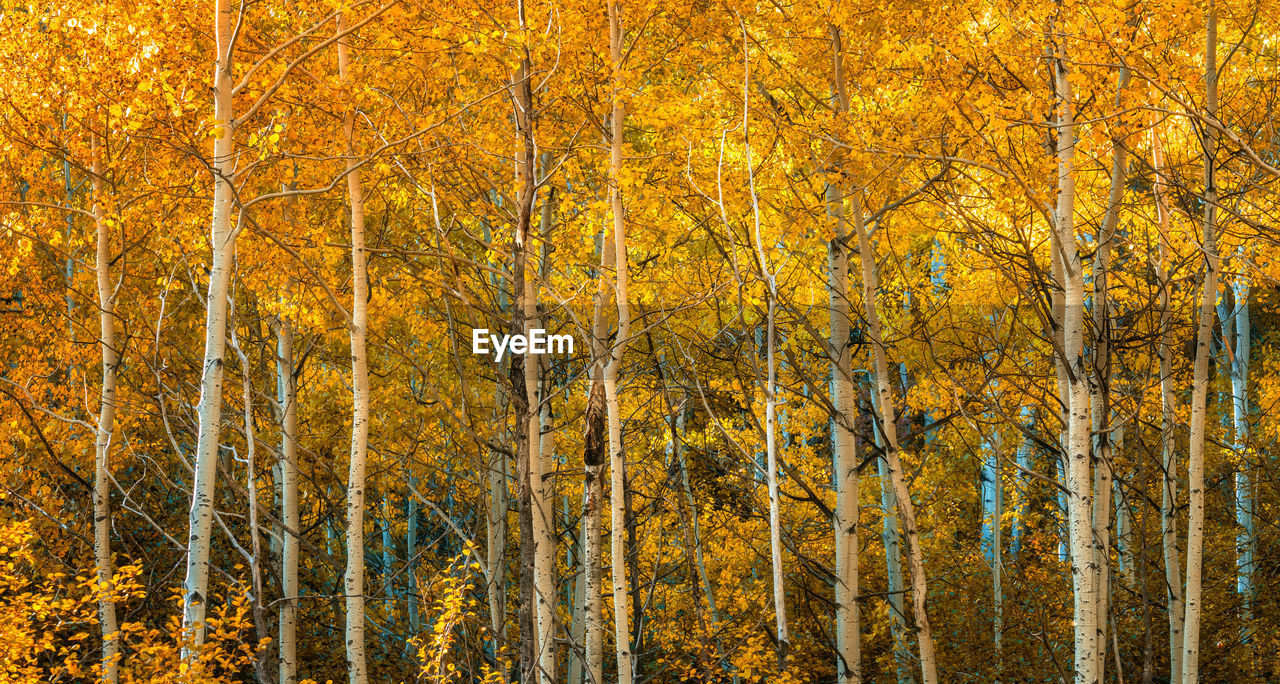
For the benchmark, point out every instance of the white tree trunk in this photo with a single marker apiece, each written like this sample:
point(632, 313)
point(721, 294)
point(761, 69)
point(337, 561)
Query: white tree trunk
point(496, 516)
point(906, 509)
point(891, 537)
point(541, 459)
point(617, 459)
point(1100, 387)
point(770, 421)
point(1019, 527)
point(106, 426)
point(1240, 343)
point(1071, 359)
point(221, 241)
point(1237, 342)
point(578, 626)
point(353, 579)
point(595, 448)
point(845, 521)
point(1200, 373)
point(262, 659)
point(541, 499)
point(287, 396)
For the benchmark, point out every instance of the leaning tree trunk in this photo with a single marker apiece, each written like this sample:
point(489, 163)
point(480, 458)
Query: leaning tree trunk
point(222, 236)
point(906, 509)
point(353, 580)
point(891, 538)
point(1200, 373)
point(106, 426)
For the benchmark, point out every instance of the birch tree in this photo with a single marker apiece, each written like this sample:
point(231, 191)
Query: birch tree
point(617, 457)
point(1070, 360)
point(770, 399)
point(893, 461)
point(107, 292)
point(221, 241)
point(1100, 384)
point(287, 399)
point(1200, 371)
point(845, 520)
point(353, 579)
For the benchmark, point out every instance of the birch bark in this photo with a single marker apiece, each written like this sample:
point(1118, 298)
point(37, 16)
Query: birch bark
point(106, 427)
point(221, 240)
point(1100, 387)
point(287, 396)
point(595, 449)
point(1084, 568)
point(845, 520)
point(906, 509)
point(353, 579)
point(1200, 371)
point(617, 459)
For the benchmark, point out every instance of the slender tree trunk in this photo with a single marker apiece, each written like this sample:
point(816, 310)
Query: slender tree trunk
point(578, 626)
point(771, 451)
point(353, 581)
point(221, 241)
point(1168, 418)
point(544, 526)
point(263, 667)
point(1026, 447)
point(1064, 400)
point(1200, 372)
point(1100, 387)
point(595, 449)
point(1236, 341)
point(596, 446)
point(906, 509)
point(542, 448)
point(891, 538)
point(411, 557)
point(845, 520)
point(997, 561)
point(617, 458)
point(287, 396)
point(1240, 343)
point(496, 516)
point(1125, 551)
point(106, 426)
point(1084, 567)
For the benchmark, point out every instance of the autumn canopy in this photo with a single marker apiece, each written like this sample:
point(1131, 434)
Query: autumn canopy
point(639, 341)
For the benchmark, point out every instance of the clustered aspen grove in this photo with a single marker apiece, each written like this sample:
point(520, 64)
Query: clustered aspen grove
point(639, 341)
